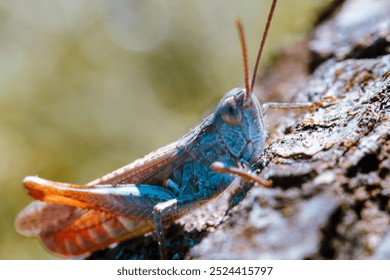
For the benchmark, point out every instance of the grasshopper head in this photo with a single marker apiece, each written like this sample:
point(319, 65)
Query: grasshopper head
point(239, 123)
point(239, 118)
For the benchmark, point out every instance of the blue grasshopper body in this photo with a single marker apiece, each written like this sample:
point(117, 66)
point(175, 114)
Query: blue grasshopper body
point(78, 219)
point(165, 184)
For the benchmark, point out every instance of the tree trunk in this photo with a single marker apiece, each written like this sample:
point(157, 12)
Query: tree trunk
point(330, 168)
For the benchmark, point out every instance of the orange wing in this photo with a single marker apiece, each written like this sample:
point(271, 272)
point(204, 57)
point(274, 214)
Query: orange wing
point(72, 231)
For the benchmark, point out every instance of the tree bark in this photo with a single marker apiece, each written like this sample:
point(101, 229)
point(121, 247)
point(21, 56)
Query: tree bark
point(330, 168)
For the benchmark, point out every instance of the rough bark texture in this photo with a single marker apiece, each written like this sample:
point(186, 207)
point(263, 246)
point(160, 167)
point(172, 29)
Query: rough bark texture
point(330, 168)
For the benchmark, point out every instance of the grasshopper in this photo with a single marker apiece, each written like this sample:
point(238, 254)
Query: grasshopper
point(78, 219)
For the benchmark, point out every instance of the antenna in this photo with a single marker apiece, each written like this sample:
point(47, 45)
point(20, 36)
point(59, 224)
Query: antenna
point(244, 55)
point(271, 12)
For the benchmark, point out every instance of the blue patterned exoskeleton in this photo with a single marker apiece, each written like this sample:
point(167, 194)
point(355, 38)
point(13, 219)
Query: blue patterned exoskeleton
point(78, 219)
point(162, 185)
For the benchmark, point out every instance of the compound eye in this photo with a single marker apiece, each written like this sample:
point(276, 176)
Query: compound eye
point(231, 113)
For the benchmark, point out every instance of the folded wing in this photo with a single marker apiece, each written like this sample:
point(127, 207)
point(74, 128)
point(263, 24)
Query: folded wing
point(70, 231)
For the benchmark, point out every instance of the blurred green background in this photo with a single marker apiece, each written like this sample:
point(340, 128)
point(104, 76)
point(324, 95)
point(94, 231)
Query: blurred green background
point(89, 86)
